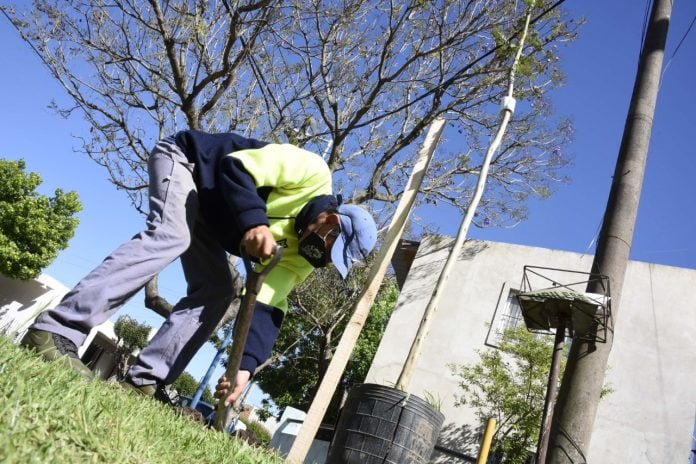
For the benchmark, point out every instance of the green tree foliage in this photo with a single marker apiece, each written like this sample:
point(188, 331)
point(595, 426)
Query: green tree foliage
point(509, 384)
point(264, 412)
point(187, 385)
point(319, 310)
point(33, 227)
point(131, 336)
point(207, 396)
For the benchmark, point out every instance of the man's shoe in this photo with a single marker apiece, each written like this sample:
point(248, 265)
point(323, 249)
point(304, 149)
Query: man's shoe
point(142, 390)
point(53, 346)
point(154, 390)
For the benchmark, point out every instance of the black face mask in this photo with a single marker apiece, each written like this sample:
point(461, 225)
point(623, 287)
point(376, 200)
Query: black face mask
point(313, 247)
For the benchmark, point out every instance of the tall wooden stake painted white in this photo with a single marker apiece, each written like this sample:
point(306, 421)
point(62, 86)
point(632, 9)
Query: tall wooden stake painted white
point(508, 107)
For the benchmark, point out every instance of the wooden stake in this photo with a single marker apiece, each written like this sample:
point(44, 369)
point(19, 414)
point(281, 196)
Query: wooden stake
point(508, 107)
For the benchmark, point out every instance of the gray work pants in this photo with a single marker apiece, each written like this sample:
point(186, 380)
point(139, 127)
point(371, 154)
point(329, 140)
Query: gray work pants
point(174, 229)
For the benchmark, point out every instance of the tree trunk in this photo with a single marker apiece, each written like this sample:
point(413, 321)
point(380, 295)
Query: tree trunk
point(154, 301)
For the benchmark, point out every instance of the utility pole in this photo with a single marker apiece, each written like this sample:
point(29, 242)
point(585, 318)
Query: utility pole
point(583, 379)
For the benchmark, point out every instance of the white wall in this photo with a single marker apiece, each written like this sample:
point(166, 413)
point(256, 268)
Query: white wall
point(650, 415)
point(22, 300)
point(289, 426)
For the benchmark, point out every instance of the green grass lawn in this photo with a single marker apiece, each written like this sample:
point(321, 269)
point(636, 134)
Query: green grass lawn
point(48, 414)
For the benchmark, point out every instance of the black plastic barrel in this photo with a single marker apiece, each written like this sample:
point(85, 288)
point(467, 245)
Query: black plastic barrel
point(377, 426)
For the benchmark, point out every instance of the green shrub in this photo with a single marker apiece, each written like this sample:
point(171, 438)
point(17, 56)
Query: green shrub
point(258, 429)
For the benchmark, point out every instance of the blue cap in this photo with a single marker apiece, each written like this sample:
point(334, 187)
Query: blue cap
point(357, 239)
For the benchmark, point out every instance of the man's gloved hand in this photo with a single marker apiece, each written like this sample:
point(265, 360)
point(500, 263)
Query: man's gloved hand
point(259, 242)
point(223, 386)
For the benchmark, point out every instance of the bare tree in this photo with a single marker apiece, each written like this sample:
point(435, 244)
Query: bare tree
point(356, 82)
point(360, 83)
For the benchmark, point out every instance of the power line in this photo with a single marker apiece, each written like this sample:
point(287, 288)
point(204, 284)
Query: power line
point(683, 38)
point(664, 71)
point(646, 14)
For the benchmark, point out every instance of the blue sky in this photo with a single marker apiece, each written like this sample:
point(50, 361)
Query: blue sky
point(600, 70)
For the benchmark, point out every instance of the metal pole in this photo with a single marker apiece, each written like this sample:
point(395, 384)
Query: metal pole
point(486, 442)
point(692, 454)
point(206, 378)
point(551, 391)
point(578, 398)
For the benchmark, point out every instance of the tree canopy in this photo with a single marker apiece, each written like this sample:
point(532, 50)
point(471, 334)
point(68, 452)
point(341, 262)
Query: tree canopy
point(33, 227)
point(295, 70)
point(187, 385)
